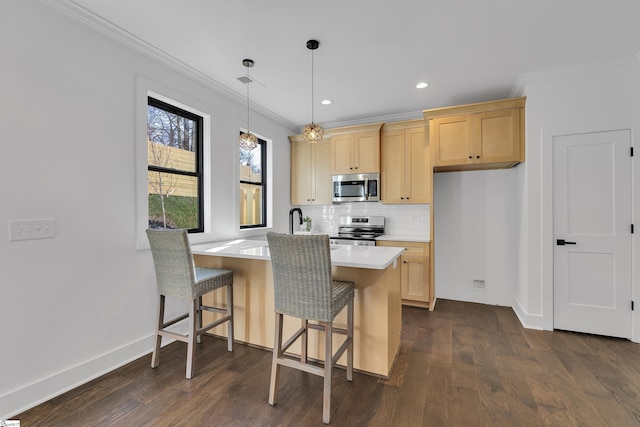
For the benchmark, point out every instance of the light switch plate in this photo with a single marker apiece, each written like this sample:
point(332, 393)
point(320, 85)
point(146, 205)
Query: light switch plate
point(30, 229)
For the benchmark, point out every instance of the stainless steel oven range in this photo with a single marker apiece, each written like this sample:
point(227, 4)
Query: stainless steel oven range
point(358, 230)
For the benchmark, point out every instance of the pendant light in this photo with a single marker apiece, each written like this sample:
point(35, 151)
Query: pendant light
point(248, 141)
point(312, 132)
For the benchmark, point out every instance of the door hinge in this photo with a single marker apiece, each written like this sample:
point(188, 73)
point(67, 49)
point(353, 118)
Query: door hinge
point(632, 306)
point(631, 228)
point(631, 151)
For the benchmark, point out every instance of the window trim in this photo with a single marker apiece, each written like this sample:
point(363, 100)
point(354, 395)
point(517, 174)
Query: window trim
point(198, 174)
point(263, 184)
point(146, 87)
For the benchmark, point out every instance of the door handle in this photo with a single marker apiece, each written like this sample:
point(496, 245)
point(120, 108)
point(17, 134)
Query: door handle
point(562, 242)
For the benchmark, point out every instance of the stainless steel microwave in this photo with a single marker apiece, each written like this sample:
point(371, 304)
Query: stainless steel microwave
point(359, 187)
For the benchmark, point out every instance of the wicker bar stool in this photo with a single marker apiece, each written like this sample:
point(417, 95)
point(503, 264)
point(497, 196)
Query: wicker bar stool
point(304, 288)
point(177, 276)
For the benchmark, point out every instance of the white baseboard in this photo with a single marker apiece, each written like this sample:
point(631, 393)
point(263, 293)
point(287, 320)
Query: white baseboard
point(18, 401)
point(529, 321)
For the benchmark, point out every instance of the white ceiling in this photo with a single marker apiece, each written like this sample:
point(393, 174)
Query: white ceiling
point(373, 52)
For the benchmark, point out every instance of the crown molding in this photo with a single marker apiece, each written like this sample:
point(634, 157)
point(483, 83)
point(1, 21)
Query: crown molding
point(72, 10)
point(412, 115)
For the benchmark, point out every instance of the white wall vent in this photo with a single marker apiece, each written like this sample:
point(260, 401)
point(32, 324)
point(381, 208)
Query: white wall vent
point(477, 284)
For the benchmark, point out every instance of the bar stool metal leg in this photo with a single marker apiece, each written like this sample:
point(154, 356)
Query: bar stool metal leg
point(275, 366)
point(155, 358)
point(199, 318)
point(230, 314)
point(328, 354)
point(193, 336)
point(350, 337)
point(303, 341)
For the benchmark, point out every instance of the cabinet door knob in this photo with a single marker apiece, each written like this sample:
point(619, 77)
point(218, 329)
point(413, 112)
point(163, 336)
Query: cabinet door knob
point(471, 157)
point(477, 157)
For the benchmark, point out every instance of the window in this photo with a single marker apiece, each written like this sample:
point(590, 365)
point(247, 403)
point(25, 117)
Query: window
point(174, 167)
point(253, 186)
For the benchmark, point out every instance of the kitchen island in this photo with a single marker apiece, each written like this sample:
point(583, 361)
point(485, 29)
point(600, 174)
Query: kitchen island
point(377, 305)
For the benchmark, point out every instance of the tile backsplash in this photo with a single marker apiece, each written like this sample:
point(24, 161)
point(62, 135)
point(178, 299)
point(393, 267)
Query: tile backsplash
point(399, 219)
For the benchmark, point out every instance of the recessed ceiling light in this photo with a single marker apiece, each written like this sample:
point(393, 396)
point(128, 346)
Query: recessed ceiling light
point(326, 101)
point(422, 85)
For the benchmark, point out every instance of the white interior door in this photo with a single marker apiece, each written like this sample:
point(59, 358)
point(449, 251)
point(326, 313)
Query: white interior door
point(592, 217)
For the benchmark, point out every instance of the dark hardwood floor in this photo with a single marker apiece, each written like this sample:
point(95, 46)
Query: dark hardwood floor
point(462, 365)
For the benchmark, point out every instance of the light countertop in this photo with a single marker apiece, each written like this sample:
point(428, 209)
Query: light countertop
point(404, 238)
point(392, 237)
point(369, 257)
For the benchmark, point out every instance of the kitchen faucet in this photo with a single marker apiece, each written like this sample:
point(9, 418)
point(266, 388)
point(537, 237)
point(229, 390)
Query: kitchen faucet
point(291, 218)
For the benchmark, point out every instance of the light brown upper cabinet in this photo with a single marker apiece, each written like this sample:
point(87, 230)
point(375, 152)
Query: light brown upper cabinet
point(405, 163)
point(355, 149)
point(487, 135)
point(310, 176)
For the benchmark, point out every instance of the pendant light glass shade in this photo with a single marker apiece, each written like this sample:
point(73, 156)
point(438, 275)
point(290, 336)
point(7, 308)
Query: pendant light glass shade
point(248, 141)
point(312, 132)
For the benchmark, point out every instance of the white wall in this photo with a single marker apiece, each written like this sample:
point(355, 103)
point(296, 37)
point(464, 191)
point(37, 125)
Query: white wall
point(475, 235)
point(78, 305)
point(594, 98)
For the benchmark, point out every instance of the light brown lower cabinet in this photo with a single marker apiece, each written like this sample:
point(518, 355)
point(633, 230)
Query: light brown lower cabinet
point(414, 275)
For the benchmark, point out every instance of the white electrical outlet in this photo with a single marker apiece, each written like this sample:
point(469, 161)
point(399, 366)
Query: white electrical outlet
point(30, 229)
